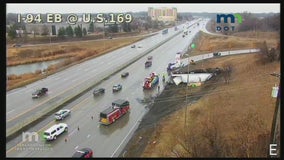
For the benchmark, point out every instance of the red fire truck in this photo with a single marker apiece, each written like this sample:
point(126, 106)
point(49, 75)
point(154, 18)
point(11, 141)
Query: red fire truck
point(119, 108)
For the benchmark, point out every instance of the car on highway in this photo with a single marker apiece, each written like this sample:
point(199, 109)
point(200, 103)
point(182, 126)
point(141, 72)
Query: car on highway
point(150, 57)
point(39, 92)
point(98, 91)
point(83, 153)
point(125, 74)
point(148, 63)
point(216, 54)
point(139, 46)
point(116, 88)
point(133, 46)
point(61, 114)
point(54, 131)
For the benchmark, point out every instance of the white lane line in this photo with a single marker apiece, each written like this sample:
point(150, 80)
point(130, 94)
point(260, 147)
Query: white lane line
point(88, 136)
point(126, 136)
point(10, 111)
point(76, 147)
point(74, 80)
point(69, 135)
point(98, 126)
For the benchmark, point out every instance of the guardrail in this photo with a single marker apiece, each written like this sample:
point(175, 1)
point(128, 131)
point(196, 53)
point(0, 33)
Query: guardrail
point(74, 92)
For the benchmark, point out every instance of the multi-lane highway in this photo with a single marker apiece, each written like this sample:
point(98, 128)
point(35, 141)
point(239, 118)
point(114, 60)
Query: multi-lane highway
point(69, 82)
point(105, 141)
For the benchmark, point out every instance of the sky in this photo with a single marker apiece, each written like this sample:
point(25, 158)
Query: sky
point(131, 7)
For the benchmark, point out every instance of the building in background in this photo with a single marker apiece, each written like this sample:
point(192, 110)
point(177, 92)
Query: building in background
point(163, 14)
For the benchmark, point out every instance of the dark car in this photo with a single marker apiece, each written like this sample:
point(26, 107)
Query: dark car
point(216, 54)
point(125, 74)
point(83, 153)
point(99, 91)
point(133, 46)
point(40, 92)
point(148, 64)
point(117, 88)
point(150, 57)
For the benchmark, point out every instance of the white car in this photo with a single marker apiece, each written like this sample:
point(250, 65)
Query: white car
point(54, 131)
point(61, 114)
point(139, 46)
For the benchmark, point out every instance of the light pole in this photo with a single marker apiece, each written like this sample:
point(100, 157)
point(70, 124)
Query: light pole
point(50, 38)
point(274, 122)
point(192, 46)
point(104, 35)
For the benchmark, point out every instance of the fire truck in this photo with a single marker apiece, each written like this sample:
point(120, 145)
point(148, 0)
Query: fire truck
point(118, 108)
point(151, 81)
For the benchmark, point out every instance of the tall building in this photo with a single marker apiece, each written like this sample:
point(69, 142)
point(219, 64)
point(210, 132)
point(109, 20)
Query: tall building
point(163, 14)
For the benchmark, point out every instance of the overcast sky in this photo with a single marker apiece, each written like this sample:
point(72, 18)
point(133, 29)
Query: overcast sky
point(130, 7)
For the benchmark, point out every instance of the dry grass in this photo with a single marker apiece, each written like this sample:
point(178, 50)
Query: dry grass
point(239, 113)
point(243, 40)
point(74, 52)
point(26, 55)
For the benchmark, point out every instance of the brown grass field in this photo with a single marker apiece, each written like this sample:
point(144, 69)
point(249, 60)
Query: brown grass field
point(233, 120)
point(74, 52)
point(243, 40)
point(229, 117)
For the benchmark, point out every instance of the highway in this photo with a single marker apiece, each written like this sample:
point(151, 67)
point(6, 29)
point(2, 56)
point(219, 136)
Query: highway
point(19, 103)
point(106, 141)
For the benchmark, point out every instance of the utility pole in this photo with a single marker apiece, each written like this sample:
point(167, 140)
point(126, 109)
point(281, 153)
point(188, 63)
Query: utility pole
point(274, 122)
point(104, 36)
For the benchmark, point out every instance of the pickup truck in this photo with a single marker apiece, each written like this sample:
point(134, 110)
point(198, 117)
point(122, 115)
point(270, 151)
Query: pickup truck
point(40, 92)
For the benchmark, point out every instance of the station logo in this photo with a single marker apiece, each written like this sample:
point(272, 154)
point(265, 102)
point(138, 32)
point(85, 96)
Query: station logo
point(225, 25)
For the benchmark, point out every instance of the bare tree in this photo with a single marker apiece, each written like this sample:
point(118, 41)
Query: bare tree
point(227, 71)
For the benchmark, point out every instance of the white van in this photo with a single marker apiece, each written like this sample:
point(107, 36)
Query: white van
point(54, 131)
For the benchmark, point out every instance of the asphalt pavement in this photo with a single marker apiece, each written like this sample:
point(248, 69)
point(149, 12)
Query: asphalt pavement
point(106, 141)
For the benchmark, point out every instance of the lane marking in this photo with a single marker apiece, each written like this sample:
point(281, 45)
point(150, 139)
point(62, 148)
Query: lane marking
point(138, 120)
point(76, 147)
point(44, 127)
point(88, 136)
point(32, 108)
point(10, 111)
point(70, 134)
